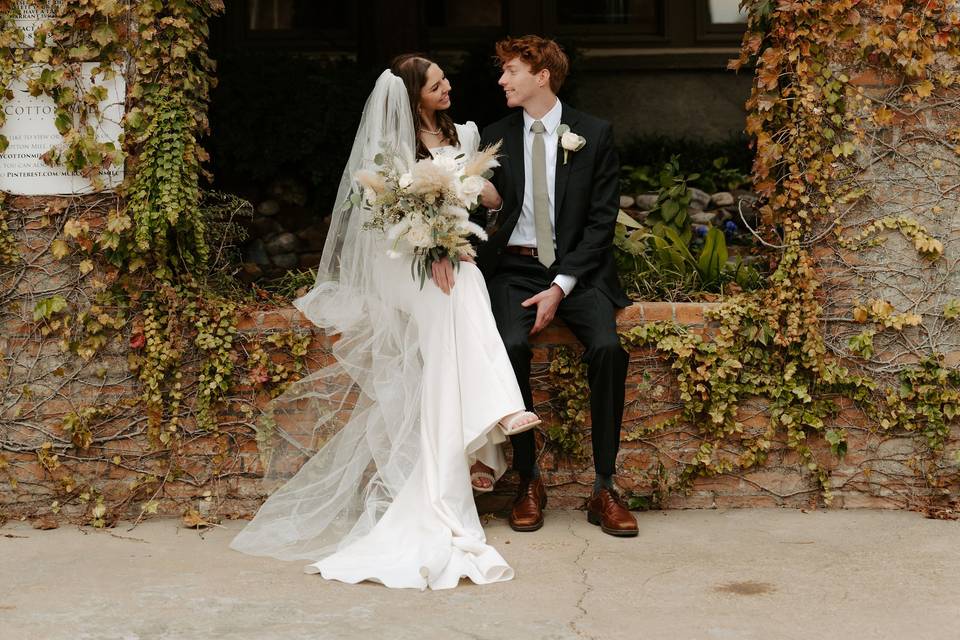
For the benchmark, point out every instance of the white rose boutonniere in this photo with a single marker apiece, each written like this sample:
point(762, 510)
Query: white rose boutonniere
point(569, 141)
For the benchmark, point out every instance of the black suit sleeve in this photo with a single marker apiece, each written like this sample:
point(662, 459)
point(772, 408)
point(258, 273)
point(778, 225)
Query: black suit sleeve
point(479, 215)
point(597, 239)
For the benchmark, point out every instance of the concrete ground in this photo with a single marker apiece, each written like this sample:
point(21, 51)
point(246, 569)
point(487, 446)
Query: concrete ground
point(740, 574)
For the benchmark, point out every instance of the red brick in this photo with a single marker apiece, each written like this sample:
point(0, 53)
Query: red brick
point(874, 78)
point(746, 501)
point(654, 311)
point(689, 313)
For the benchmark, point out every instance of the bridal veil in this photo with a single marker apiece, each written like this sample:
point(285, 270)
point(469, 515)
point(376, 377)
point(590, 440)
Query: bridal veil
point(355, 421)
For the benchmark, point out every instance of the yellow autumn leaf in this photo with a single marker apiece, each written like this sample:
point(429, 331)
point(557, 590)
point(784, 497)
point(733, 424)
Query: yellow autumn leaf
point(924, 89)
point(117, 223)
point(73, 228)
point(881, 308)
point(59, 249)
point(86, 266)
point(860, 314)
point(892, 9)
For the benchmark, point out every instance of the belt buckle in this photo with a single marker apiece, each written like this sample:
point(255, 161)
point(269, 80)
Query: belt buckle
point(533, 252)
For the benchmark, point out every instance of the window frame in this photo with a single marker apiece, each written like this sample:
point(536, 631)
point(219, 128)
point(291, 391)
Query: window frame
point(447, 37)
point(608, 35)
point(337, 39)
point(714, 33)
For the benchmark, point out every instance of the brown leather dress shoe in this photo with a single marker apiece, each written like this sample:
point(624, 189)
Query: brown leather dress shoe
point(606, 509)
point(527, 512)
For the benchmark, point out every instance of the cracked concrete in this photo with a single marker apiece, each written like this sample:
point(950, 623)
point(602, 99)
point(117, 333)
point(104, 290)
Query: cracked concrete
point(740, 574)
point(587, 588)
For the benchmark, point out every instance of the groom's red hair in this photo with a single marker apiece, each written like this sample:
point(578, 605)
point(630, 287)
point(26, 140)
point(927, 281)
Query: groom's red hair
point(539, 53)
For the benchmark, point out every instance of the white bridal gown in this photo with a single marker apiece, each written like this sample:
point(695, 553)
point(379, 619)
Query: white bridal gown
point(431, 536)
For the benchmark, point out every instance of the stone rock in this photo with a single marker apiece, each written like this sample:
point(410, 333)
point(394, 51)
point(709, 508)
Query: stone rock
point(722, 199)
point(261, 227)
point(285, 260)
point(45, 522)
point(250, 271)
point(268, 208)
point(626, 202)
point(313, 237)
point(703, 217)
point(256, 253)
point(283, 243)
point(288, 190)
point(699, 199)
point(646, 201)
point(309, 260)
point(296, 217)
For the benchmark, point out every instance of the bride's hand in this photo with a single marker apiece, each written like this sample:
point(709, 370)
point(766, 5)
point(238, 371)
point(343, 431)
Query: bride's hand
point(442, 271)
point(489, 197)
point(468, 259)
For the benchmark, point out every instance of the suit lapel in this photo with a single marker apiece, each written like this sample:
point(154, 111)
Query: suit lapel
point(513, 147)
point(568, 117)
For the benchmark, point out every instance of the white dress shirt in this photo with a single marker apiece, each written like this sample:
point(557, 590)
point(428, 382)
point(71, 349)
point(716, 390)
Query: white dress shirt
point(525, 233)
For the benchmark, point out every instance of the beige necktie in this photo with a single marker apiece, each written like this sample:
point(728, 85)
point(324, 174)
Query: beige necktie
point(541, 201)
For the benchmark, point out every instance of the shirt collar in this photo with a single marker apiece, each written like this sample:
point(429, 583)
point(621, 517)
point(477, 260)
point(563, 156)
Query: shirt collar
point(550, 120)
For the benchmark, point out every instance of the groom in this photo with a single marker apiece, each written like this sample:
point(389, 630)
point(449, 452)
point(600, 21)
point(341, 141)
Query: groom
point(550, 253)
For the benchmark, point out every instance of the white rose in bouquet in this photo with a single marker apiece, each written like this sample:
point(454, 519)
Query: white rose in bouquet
point(469, 190)
point(420, 235)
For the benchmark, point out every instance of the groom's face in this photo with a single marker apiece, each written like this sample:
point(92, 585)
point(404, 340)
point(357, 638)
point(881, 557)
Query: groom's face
point(520, 84)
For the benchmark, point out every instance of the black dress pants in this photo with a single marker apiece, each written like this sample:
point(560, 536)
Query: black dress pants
point(591, 316)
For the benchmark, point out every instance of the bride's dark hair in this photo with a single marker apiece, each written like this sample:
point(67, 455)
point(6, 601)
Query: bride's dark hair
point(412, 69)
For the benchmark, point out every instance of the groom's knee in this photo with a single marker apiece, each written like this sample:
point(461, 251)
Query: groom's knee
point(606, 348)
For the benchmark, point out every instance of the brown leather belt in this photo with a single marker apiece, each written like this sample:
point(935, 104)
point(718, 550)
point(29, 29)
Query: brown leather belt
point(522, 251)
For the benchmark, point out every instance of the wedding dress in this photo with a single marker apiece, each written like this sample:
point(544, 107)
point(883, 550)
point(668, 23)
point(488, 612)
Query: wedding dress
point(419, 383)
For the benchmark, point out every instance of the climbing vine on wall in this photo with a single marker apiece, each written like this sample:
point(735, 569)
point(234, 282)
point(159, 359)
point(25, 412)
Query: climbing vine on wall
point(819, 137)
point(138, 278)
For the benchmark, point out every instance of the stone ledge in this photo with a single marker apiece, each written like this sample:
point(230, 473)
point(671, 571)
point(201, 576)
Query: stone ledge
point(688, 314)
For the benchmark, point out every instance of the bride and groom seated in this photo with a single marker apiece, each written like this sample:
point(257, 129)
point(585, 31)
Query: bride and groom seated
point(389, 498)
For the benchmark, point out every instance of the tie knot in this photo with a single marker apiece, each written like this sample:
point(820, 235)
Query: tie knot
point(537, 127)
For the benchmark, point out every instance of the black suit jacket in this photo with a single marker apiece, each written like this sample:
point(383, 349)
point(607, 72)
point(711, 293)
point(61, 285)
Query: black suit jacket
point(586, 201)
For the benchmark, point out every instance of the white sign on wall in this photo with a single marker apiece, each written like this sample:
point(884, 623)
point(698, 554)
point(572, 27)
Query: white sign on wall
point(31, 132)
point(29, 17)
point(30, 128)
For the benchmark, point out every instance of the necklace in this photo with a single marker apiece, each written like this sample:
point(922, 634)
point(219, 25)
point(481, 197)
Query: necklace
point(433, 133)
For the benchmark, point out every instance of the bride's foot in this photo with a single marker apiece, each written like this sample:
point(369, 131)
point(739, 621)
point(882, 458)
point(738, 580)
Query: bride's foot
point(519, 422)
point(481, 477)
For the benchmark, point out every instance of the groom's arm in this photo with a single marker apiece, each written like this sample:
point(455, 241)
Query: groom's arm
point(597, 239)
point(479, 215)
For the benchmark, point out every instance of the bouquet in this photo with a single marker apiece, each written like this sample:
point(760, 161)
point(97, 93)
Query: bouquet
point(425, 211)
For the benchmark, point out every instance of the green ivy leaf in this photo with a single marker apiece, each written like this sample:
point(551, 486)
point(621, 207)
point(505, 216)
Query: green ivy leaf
point(103, 35)
point(47, 307)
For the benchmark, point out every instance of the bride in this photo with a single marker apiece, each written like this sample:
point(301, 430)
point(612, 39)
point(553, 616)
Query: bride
point(411, 415)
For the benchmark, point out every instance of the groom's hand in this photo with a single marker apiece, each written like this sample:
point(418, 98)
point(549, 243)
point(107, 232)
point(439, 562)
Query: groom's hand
point(489, 197)
point(547, 303)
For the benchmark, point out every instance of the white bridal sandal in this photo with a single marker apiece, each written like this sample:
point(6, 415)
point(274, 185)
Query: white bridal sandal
point(511, 425)
point(481, 474)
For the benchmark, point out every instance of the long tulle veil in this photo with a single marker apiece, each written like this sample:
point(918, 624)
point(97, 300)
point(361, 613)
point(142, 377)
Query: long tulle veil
point(356, 420)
